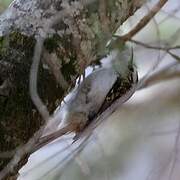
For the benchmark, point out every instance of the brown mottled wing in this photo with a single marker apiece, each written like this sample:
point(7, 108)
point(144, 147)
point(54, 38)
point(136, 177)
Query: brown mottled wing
point(121, 86)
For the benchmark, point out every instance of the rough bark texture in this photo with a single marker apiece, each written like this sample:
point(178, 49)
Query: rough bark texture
point(75, 41)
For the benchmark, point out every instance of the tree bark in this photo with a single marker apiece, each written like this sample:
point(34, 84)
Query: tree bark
point(77, 39)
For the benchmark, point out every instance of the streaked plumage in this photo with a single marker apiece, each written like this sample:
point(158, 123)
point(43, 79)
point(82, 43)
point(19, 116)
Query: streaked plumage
point(100, 89)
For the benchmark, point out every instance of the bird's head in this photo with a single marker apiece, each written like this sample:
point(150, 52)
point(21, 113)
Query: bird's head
point(122, 59)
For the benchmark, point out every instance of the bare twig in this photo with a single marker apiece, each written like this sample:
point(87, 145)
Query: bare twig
point(20, 153)
point(154, 47)
point(172, 39)
point(174, 56)
point(33, 80)
point(166, 49)
point(67, 159)
point(144, 21)
point(170, 15)
point(164, 74)
point(159, 58)
point(49, 138)
point(167, 73)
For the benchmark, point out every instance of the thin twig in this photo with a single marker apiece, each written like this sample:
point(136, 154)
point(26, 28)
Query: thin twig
point(159, 59)
point(67, 159)
point(47, 159)
point(33, 80)
point(170, 15)
point(166, 73)
point(49, 138)
point(144, 21)
point(174, 56)
point(154, 47)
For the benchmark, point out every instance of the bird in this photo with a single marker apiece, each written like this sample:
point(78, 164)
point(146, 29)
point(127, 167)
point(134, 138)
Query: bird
point(100, 89)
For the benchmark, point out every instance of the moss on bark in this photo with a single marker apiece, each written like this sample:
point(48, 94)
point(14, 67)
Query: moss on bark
point(19, 118)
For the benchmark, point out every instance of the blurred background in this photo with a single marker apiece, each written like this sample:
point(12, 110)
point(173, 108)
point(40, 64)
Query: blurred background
point(140, 141)
point(4, 4)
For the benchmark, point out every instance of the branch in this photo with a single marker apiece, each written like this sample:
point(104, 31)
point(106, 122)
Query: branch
point(33, 80)
point(144, 21)
point(167, 73)
point(154, 47)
